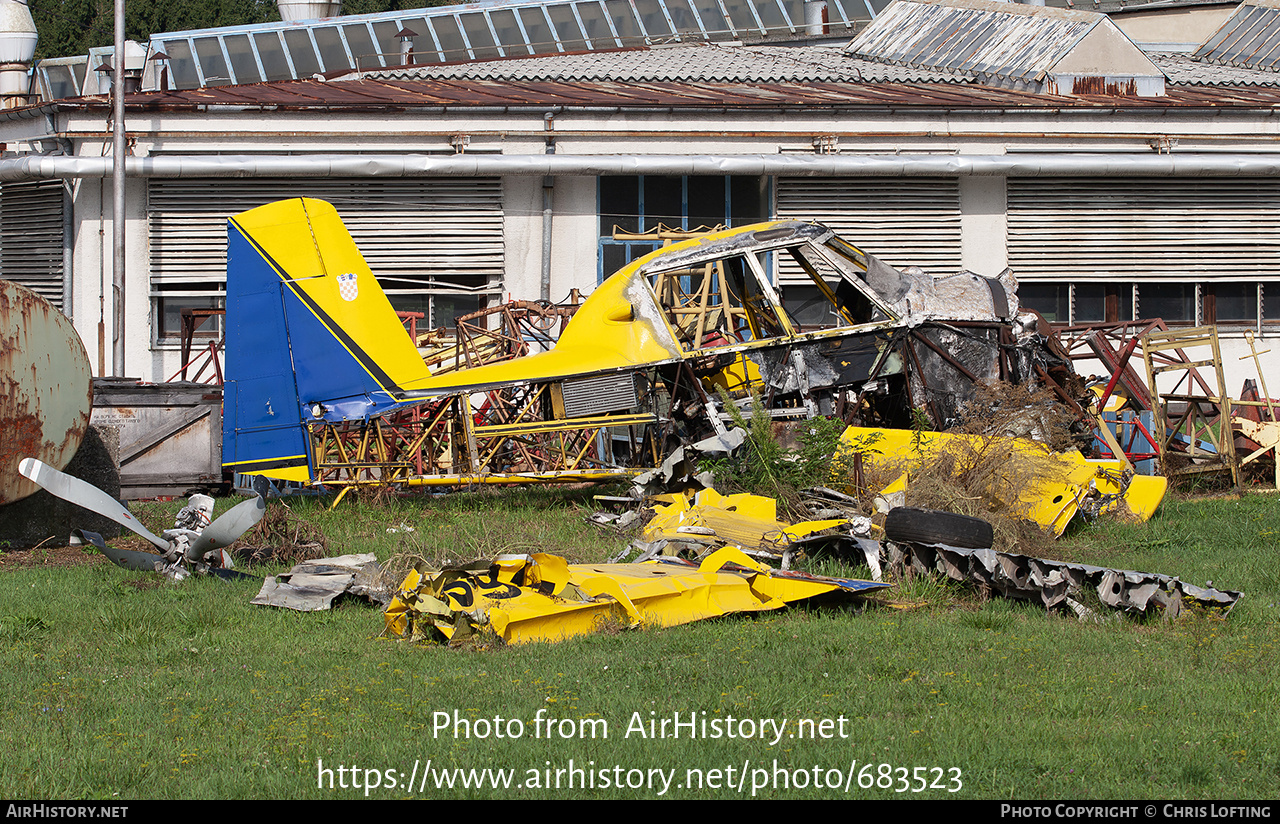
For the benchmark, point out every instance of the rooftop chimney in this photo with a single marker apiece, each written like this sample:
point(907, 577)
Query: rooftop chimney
point(17, 48)
point(291, 10)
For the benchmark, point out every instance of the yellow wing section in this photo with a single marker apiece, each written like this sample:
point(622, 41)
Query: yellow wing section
point(1045, 487)
point(542, 597)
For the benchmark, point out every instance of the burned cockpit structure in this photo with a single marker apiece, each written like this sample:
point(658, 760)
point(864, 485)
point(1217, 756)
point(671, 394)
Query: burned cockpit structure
point(324, 386)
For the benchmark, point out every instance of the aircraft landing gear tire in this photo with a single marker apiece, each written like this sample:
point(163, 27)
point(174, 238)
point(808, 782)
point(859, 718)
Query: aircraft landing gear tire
point(910, 525)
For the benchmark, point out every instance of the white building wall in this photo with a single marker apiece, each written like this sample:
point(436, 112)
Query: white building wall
point(90, 268)
point(574, 238)
point(522, 235)
point(575, 241)
point(92, 260)
point(141, 360)
point(983, 225)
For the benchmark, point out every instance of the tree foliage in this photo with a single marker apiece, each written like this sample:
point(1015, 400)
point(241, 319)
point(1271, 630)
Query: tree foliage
point(72, 27)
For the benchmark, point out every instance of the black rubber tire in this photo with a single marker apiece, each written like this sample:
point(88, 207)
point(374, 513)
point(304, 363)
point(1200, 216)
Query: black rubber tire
point(910, 525)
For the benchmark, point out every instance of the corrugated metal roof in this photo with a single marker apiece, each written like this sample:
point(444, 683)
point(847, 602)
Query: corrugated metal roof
point(711, 63)
point(1113, 6)
point(394, 95)
point(1250, 37)
point(980, 36)
point(1185, 70)
point(719, 63)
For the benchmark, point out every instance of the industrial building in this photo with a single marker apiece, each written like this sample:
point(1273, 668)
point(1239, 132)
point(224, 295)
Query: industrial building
point(1122, 164)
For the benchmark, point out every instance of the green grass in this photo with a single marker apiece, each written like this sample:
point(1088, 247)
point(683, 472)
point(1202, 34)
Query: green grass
point(119, 688)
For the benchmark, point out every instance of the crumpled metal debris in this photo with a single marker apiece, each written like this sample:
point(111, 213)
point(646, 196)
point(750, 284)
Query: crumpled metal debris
point(681, 466)
point(749, 522)
point(695, 523)
point(1057, 583)
point(314, 585)
point(542, 597)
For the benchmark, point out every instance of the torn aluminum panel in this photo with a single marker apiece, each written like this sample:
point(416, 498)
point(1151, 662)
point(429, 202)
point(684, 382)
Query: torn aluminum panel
point(962, 296)
point(814, 370)
point(680, 468)
point(946, 363)
point(749, 522)
point(542, 597)
point(314, 585)
point(1056, 583)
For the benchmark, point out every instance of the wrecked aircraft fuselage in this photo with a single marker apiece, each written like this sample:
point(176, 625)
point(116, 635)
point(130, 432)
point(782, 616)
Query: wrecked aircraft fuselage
point(323, 386)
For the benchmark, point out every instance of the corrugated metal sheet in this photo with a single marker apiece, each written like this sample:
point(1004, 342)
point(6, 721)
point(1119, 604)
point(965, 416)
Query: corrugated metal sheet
point(978, 37)
point(913, 222)
point(31, 237)
point(1250, 37)
point(704, 62)
point(1183, 69)
point(419, 236)
point(1116, 229)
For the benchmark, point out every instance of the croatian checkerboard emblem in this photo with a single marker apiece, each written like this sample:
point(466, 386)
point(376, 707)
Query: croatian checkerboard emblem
point(348, 287)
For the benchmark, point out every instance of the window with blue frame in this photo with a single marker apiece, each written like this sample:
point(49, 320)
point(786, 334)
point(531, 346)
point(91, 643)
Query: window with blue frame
point(640, 203)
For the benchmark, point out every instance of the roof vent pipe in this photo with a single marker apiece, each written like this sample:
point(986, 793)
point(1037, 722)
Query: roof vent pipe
point(291, 10)
point(406, 36)
point(17, 48)
point(815, 16)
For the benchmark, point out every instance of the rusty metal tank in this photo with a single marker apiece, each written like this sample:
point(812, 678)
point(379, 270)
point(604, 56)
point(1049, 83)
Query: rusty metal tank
point(46, 387)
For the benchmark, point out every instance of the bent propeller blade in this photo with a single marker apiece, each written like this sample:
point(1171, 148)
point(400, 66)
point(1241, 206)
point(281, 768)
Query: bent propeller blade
point(86, 495)
point(123, 558)
point(228, 526)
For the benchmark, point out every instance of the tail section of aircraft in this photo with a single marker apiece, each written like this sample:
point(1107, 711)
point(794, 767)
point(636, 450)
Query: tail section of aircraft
point(310, 336)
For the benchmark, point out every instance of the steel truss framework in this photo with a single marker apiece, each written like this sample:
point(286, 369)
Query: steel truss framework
point(508, 438)
point(517, 434)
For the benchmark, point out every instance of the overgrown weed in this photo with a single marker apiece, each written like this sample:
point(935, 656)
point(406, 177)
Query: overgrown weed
point(282, 537)
point(1011, 410)
point(981, 476)
point(763, 466)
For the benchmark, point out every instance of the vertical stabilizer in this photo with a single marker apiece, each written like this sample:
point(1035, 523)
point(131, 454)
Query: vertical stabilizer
point(310, 336)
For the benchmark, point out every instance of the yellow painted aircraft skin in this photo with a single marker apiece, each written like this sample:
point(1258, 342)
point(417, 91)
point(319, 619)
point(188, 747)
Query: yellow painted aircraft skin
point(741, 519)
point(620, 326)
point(555, 600)
point(364, 324)
point(1051, 500)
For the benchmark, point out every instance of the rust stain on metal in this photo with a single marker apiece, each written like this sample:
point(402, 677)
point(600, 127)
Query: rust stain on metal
point(393, 95)
point(47, 387)
point(1099, 85)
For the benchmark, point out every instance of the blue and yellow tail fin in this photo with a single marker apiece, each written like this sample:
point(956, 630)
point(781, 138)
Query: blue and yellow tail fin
point(310, 336)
